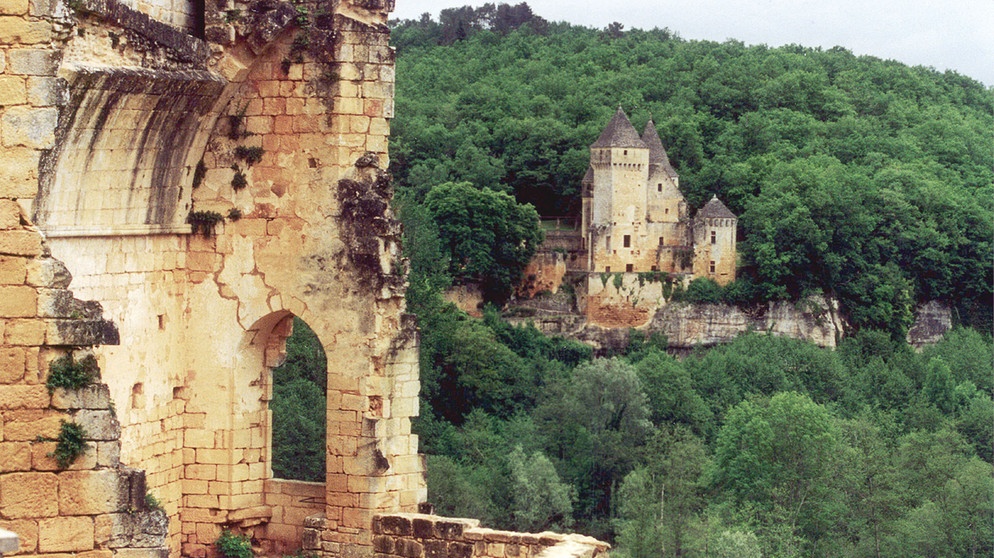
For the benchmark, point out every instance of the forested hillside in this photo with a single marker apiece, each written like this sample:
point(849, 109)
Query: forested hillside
point(863, 178)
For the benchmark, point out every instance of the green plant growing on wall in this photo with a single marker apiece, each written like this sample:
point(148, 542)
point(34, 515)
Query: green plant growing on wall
point(604, 278)
point(619, 280)
point(251, 155)
point(236, 124)
point(66, 373)
point(239, 180)
point(234, 214)
point(153, 503)
point(303, 18)
point(231, 545)
point(70, 444)
point(204, 222)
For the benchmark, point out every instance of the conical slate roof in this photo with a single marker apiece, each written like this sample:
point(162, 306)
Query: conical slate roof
point(589, 177)
point(619, 133)
point(657, 153)
point(714, 209)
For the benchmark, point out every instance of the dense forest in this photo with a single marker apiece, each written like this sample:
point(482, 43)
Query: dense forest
point(865, 179)
point(861, 178)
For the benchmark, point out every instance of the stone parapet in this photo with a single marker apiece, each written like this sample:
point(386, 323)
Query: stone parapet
point(420, 535)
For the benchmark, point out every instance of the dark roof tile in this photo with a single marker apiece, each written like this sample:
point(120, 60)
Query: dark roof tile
point(657, 153)
point(619, 133)
point(714, 209)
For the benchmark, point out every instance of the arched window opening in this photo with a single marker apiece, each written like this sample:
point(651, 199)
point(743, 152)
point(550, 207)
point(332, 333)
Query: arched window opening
point(298, 407)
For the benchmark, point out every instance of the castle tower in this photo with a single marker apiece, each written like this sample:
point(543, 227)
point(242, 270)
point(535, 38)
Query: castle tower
point(714, 242)
point(614, 200)
point(665, 202)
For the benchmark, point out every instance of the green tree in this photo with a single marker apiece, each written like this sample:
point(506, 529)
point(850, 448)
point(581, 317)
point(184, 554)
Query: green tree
point(539, 500)
point(487, 236)
point(778, 456)
point(298, 407)
point(595, 423)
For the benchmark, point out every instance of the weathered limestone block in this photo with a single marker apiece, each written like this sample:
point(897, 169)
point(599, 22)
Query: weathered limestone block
point(29, 495)
point(94, 396)
point(76, 332)
point(65, 534)
point(15, 456)
point(13, 270)
point(48, 272)
point(29, 127)
point(146, 529)
point(20, 243)
point(33, 62)
point(18, 302)
point(92, 492)
point(24, 397)
point(99, 425)
point(19, 173)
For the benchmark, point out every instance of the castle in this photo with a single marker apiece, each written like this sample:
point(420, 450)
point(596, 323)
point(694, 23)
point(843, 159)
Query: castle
point(634, 218)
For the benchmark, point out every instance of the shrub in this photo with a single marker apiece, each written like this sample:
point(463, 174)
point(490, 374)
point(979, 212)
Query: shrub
point(66, 373)
point(70, 444)
point(231, 545)
point(204, 222)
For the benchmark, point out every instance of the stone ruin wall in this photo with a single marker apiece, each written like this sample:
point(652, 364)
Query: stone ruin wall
point(117, 126)
point(429, 536)
point(107, 115)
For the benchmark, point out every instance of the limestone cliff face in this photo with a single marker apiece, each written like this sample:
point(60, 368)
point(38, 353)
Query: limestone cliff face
point(932, 321)
point(688, 325)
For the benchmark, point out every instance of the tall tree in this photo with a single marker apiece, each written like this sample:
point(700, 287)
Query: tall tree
point(487, 235)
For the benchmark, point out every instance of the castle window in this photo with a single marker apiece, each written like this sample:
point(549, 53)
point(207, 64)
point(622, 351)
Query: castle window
point(607, 269)
point(714, 237)
point(655, 268)
point(607, 243)
point(712, 267)
point(629, 268)
point(666, 211)
point(659, 187)
point(626, 152)
point(661, 241)
point(628, 241)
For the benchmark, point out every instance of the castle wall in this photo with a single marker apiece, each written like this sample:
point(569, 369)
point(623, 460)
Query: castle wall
point(714, 249)
point(626, 300)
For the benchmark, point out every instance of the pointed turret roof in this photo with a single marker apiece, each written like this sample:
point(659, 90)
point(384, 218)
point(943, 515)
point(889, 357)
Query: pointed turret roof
point(714, 209)
point(657, 153)
point(619, 133)
point(589, 177)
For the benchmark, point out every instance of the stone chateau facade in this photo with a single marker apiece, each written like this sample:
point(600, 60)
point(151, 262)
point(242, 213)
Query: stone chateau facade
point(635, 239)
point(179, 179)
point(634, 218)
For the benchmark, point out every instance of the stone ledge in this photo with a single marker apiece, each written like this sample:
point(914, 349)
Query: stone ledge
point(185, 47)
point(135, 230)
point(415, 535)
